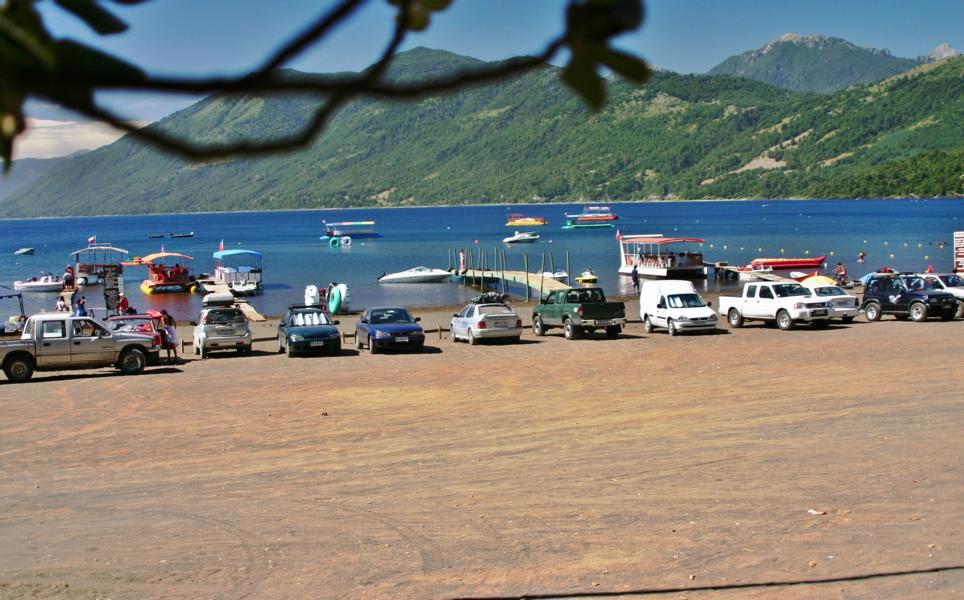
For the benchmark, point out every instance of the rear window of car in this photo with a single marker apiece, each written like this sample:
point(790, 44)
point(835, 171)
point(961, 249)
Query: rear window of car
point(495, 310)
point(224, 317)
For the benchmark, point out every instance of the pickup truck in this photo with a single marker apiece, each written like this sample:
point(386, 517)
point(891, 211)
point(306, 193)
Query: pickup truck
point(56, 341)
point(787, 303)
point(578, 311)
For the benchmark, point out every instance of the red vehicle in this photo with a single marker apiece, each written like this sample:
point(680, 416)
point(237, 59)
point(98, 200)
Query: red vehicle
point(149, 324)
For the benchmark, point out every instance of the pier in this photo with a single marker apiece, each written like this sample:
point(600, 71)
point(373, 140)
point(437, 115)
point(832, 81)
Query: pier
point(535, 281)
point(472, 268)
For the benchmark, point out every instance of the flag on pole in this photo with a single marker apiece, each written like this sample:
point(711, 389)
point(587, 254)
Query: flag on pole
point(619, 236)
point(221, 246)
point(92, 239)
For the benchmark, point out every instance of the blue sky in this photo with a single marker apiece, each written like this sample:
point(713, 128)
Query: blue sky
point(197, 37)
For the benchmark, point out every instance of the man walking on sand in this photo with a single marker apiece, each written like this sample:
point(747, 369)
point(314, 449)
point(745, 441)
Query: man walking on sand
point(635, 277)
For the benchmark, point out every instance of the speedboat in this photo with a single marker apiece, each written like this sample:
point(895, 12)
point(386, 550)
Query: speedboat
point(558, 275)
point(23, 251)
point(416, 275)
point(44, 283)
point(523, 237)
point(587, 276)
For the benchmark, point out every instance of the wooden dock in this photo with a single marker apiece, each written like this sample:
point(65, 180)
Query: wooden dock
point(533, 280)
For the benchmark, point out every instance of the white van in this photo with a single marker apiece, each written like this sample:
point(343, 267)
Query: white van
point(675, 306)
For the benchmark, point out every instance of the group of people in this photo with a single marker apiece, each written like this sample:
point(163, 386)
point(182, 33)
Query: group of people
point(78, 306)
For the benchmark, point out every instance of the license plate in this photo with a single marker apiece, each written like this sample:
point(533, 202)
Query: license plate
point(819, 313)
point(602, 322)
point(402, 338)
point(500, 323)
point(318, 343)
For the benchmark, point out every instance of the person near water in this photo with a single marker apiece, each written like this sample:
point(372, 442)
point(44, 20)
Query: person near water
point(635, 277)
point(840, 272)
point(861, 256)
point(82, 306)
point(62, 305)
point(170, 328)
point(123, 304)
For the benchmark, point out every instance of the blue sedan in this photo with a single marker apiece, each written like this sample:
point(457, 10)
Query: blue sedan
point(388, 327)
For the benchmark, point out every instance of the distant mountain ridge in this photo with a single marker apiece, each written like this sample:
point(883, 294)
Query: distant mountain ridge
point(820, 63)
point(528, 139)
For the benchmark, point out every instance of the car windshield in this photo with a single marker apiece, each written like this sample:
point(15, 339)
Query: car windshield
point(952, 280)
point(391, 315)
point(224, 317)
point(785, 290)
point(685, 301)
point(309, 317)
point(500, 309)
point(830, 290)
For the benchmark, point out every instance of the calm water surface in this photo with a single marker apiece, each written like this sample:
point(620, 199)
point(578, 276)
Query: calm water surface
point(905, 234)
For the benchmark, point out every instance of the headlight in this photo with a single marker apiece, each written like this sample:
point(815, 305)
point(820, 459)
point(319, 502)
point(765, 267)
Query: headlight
point(297, 338)
point(799, 305)
point(382, 334)
point(683, 319)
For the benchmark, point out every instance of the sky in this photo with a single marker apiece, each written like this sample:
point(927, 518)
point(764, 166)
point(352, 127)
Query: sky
point(192, 37)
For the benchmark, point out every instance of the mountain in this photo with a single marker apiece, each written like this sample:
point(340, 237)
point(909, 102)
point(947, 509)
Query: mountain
point(24, 172)
point(814, 63)
point(529, 139)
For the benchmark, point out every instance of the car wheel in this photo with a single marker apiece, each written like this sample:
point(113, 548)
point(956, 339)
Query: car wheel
point(612, 332)
point(671, 327)
point(371, 347)
point(471, 337)
point(784, 321)
point(647, 325)
point(734, 318)
point(872, 311)
point(960, 309)
point(202, 351)
point(291, 351)
point(131, 361)
point(569, 330)
point(537, 327)
point(18, 369)
point(918, 312)
point(847, 319)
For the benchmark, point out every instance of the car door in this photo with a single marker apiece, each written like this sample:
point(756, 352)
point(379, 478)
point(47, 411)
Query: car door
point(892, 294)
point(549, 312)
point(283, 330)
point(765, 305)
point(659, 317)
point(90, 343)
point(463, 320)
point(53, 343)
point(750, 302)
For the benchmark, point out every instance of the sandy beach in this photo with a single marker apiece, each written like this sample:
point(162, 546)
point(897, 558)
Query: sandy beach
point(558, 468)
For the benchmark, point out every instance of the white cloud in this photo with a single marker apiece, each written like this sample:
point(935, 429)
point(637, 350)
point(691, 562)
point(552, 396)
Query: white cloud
point(47, 138)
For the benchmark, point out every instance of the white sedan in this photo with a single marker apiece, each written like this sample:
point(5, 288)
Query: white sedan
point(844, 305)
point(483, 321)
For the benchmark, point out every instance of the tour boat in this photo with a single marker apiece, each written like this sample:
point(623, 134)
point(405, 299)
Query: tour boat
point(587, 276)
point(24, 251)
point(164, 277)
point(516, 220)
point(524, 237)
point(593, 214)
point(788, 263)
point(96, 261)
point(416, 275)
point(239, 270)
point(44, 283)
point(351, 229)
point(654, 255)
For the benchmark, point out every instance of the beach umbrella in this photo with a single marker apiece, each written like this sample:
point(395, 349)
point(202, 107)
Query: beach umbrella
point(817, 280)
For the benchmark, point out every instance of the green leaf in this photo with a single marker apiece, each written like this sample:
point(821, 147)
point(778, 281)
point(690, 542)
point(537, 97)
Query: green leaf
point(18, 42)
point(599, 20)
point(627, 65)
point(436, 5)
point(580, 74)
point(97, 18)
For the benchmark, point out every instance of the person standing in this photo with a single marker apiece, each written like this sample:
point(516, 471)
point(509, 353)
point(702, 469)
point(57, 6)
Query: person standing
point(123, 304)
point(62, 305)
point(82, 307)
point(170, 328)
point(635, 277)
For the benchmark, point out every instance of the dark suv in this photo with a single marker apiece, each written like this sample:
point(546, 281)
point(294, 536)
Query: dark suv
point(905, 296)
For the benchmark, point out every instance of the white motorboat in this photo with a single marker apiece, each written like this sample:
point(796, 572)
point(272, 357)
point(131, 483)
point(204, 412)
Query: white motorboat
point(24, 251)
point(558, 275)
point(523, 237)
point(416, 275)
point(45, 283)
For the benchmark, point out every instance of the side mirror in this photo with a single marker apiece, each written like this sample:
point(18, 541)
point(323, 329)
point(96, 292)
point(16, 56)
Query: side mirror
point(660, 305)
point(336, 322)
point(417, 319)
point(455, 314)
point(709, 304)
point(363, 320)
point(193, 323)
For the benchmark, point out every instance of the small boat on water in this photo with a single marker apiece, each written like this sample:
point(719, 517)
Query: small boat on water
point(416, 275)
point(351, 229)
point(557, 275)
point(154, 236)
point(44, 283)
point(593, 214)
point(516, 220)
point(189, 234)
point(788, 263)
point(587, 276)
point(164, 277)
point(24, 251)
point(521, 237)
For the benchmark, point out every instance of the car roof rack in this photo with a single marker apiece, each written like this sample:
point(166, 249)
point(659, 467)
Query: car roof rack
point(490, 298)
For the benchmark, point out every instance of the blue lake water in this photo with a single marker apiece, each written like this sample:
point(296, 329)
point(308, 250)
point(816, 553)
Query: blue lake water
point(904, 234)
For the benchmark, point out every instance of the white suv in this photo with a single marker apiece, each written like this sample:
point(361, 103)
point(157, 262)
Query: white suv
point(221, 328)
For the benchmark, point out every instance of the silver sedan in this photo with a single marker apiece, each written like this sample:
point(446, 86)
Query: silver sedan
point(483, 321)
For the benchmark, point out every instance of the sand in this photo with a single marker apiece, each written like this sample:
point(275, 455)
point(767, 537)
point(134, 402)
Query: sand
point(550, 467)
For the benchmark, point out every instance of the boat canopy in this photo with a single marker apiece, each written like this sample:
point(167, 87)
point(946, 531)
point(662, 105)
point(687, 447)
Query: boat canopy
point(658, 240)
point(343, 223)
point(158, 255)
point(99, 248)
point(221, 254)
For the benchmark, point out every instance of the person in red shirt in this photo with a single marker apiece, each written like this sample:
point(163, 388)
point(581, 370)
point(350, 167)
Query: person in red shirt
point(123, 304)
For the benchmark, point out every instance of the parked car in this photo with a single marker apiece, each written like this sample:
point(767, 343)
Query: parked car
point(485, 320)
point(785, 303)
point(150, 323)
point(305, 329)
point(845, 306)
point(904, 296)
point(578, 311)
point(56, 341)
point(952, 283)
point(675, 306)
point(221, 328)
point(388, 327)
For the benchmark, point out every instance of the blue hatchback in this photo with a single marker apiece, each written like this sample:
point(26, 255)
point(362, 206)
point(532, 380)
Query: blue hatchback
point(388, 327)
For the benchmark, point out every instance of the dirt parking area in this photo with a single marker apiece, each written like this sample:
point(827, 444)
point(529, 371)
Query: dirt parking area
point(690, 465)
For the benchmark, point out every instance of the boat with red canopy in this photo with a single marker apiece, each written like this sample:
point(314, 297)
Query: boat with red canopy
point(655, 255)
point(788, 263)
point(165, 273)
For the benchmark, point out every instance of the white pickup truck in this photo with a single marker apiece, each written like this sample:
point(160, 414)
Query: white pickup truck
point(56, 341)
point(787, 303)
